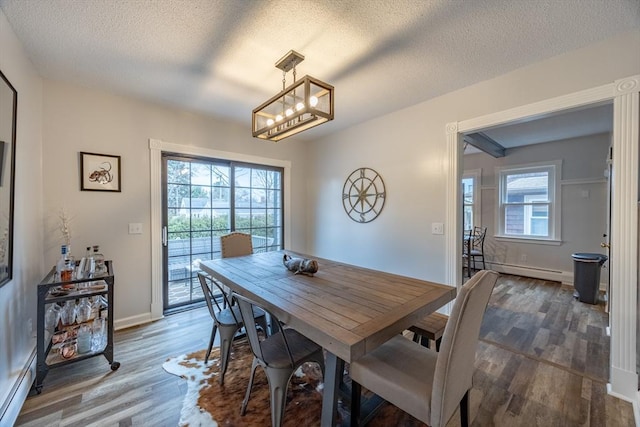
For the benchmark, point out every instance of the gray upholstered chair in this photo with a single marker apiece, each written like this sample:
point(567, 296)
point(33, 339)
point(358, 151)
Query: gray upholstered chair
point(429, 385)
point(236, 244)
point(280, 355)
point(227, 320)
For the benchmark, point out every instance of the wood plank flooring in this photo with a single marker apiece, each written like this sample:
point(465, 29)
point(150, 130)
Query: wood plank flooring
point(542, 360)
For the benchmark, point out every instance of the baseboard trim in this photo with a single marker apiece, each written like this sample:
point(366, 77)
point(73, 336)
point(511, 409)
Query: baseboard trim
point(10, 409)
point(564, 277)
point(623, 384)
point(128, 322)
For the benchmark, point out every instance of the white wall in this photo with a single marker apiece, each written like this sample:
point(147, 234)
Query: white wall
point(408, 148)
point(583, 214)
point(81, 119)
point(18, 297)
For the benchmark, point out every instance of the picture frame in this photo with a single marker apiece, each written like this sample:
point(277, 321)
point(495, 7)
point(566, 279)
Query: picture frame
point(99, 172)
point(8, 120)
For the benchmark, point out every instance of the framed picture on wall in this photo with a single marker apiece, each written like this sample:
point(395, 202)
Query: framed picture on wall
point(99, 172)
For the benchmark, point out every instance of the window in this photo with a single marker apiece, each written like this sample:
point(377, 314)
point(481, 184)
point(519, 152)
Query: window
point(471, 199)
point(528, 205)
point(206, 198)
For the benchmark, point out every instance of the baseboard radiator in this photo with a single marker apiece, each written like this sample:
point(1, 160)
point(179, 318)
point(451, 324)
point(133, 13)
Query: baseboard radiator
point(564, 277)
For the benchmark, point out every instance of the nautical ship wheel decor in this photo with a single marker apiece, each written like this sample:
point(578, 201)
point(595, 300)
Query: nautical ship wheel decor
point(363, 195)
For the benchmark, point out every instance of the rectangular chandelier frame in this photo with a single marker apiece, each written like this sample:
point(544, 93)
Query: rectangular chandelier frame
point(303, 105)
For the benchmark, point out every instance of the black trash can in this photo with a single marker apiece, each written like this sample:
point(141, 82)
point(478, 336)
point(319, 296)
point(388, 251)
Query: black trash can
point(586, 276)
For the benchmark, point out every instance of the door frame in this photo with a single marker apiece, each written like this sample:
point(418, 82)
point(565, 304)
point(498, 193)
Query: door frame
point(156, 148)
point(624, 216)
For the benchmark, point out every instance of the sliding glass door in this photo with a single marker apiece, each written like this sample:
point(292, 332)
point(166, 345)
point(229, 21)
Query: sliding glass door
point(204, 199)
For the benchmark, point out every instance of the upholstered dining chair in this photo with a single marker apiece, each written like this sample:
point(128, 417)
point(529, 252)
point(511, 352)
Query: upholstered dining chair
point(236, 244)
point(429, 385)
point(227, 320)
point(280, 355)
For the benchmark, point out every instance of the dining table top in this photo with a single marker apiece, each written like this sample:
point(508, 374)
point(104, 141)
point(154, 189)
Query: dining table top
point(346, 309)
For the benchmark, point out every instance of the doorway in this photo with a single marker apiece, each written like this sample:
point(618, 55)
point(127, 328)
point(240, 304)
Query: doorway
point(544, 196)
point(624, 224)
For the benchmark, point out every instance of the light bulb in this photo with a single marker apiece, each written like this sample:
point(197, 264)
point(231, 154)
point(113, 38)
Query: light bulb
point(299, 106)
point(313, 101)
point(278, 117)
point(288, 112)
point(270, 122)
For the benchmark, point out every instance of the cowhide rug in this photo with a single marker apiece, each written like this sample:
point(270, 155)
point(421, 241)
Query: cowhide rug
point(207, 403)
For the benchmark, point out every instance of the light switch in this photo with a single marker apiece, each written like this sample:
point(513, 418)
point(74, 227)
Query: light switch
point(437, 228)
point(135, 228)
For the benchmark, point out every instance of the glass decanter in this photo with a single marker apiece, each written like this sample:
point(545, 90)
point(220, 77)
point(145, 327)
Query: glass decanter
point(68, 313)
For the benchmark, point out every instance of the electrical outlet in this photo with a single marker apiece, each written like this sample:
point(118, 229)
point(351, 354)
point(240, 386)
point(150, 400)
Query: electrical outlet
point(523, 258)
point(135, 228)
point(437, 228)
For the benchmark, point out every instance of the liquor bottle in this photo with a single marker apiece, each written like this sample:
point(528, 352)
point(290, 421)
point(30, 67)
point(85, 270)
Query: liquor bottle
point(100, 267)
point(61, 266)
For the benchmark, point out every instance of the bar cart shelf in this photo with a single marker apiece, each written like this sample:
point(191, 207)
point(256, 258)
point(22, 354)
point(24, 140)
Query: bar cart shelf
point(53, 291)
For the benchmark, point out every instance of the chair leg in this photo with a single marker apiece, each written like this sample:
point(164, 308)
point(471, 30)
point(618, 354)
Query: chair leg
point(464, 410)
point(226, 338)
point(245, 402)
point(278, 381)
point(356, 390)
point(213, 336)
point(424, 341)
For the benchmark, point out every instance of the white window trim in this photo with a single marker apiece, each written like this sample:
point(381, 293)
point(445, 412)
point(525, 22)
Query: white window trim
point(555, 206)
point(476, 175)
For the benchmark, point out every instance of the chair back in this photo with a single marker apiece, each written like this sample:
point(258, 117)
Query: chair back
point(236, 244)
point(205, 283)
point(478, 236)
point(247, 310)
point(455, 364)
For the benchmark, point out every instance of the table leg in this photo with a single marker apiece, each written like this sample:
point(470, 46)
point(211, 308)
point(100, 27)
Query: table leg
point(334, 369)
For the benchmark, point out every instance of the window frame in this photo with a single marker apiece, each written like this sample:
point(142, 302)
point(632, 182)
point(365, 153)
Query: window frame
point(553, 202)
point(476, 206)
point(190, 212)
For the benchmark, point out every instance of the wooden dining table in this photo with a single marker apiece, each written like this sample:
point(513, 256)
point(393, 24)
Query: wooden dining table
point(348, 310)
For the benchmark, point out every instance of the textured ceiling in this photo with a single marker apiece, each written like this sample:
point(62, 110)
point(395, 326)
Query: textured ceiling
point(218, 56)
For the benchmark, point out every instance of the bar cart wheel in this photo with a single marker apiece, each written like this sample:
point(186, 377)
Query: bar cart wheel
point(115, 366)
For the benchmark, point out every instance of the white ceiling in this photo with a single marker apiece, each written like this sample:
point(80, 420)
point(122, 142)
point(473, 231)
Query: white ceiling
point(218, 56)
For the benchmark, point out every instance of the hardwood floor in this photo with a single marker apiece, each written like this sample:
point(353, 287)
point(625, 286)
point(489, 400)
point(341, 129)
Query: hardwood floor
point(542, 360)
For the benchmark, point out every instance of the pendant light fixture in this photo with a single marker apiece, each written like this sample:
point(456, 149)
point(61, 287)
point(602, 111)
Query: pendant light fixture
point(304, 104)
